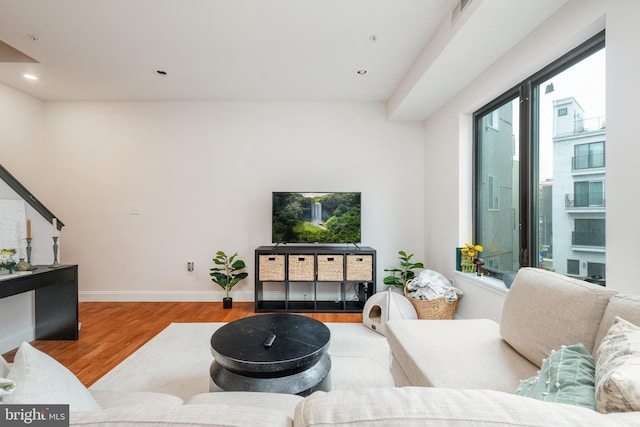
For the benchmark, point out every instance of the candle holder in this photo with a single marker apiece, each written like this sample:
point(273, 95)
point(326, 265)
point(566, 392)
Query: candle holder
point(55, 253)
point(29, 250)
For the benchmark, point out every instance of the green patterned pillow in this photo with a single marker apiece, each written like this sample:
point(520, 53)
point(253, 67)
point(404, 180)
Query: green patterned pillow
point(566, 376)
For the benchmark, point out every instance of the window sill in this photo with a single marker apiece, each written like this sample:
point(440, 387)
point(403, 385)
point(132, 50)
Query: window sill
point(490, 283)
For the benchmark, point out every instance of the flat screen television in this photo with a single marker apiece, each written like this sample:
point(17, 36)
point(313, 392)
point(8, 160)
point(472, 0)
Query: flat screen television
point(315, 217)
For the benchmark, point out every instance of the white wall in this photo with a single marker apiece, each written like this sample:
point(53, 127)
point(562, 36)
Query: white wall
point(448, 139)
point(21, 148)
point(202, 174)
point(623, 148)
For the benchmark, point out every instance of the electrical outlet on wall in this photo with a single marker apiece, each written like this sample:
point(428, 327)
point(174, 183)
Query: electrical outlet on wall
point(135, 209)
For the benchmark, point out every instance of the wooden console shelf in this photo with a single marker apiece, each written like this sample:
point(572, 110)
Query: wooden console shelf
point(314, 278)
point(56, 299)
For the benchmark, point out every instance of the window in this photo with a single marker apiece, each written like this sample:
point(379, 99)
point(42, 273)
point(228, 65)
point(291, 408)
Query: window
point(573, 267)
point(595, 270)
point(587, 193)
point(539, 172)
point(498, 186)
point(589, 232)
point(588, 156)
point(493, 120)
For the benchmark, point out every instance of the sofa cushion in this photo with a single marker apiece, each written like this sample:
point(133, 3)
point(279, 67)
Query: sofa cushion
point(215, 415)
point(108, 399)
point(621, 305)
point(566, 376)
point(544, 310)
point(42, 380)
point(618, 369)
point(6, 386)
point(454, 354)
point(4, 367)
point(427, 406)
point(285, 403)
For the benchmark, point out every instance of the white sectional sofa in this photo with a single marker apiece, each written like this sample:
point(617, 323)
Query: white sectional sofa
point(452, 373)
point(543, 311)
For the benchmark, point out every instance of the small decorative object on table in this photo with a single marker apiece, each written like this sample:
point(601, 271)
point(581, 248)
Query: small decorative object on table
point(7, 263)
point(55, 236)
point(23, 265)
point(55, 253)
point(469, 253)
point(226, 275)
point(479, 262)
point(29, 250)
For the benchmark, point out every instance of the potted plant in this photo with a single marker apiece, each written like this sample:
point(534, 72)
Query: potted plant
point(227, 274)
point(469, 257)
point(400, 276)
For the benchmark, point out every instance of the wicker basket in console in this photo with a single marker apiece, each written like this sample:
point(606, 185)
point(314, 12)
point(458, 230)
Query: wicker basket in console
point(360, 267)
point(330, 268)
point(301, 267)
point(271, 267)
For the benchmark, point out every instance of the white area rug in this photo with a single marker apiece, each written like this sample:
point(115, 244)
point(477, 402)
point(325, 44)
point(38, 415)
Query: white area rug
point(177, 361)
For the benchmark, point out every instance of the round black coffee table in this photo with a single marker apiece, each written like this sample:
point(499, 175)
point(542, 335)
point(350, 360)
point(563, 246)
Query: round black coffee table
point(276, 353)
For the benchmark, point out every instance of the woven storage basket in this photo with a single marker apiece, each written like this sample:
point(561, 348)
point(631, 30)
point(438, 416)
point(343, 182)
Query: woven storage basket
point(330, 268)
point(271, 267)
point(301, 267)
point(360, 267)
point(434, 309)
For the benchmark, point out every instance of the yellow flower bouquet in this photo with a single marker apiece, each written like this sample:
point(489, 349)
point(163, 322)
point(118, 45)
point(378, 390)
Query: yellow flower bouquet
point(469, 253)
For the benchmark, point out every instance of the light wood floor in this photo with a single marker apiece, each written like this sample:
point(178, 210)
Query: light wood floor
point(111, 331)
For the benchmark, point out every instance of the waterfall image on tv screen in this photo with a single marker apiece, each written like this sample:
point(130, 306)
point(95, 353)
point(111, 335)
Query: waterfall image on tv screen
point(316, 217)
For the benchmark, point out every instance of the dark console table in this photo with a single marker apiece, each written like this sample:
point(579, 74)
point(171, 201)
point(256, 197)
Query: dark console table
point(56, 299)
point(314, 278)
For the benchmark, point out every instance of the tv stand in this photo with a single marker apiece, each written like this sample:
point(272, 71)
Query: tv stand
point(313, 278)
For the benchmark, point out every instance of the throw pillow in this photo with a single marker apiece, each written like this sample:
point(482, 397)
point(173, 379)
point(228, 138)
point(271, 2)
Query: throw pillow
point(4, 367)
point(618, 369)
point(6, 387)
point(40, 379)
point(566, 376)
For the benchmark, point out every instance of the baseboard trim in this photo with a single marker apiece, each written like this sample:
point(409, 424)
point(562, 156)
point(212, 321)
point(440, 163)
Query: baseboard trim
point(159, 296)
point(14, 341)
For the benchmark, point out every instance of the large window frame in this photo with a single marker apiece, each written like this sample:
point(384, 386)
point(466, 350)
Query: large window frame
point(527, 92)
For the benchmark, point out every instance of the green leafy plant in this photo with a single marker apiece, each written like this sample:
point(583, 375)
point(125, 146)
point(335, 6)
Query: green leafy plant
point(400, 276)
point(227, 275)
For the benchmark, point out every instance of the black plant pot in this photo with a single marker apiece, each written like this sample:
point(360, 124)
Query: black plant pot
point(227, 302)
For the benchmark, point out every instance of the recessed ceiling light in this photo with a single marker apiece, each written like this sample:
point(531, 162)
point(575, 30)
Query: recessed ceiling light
point(30, 77)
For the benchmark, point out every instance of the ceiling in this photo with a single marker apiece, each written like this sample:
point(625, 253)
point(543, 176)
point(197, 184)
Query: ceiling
point(257, 50)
